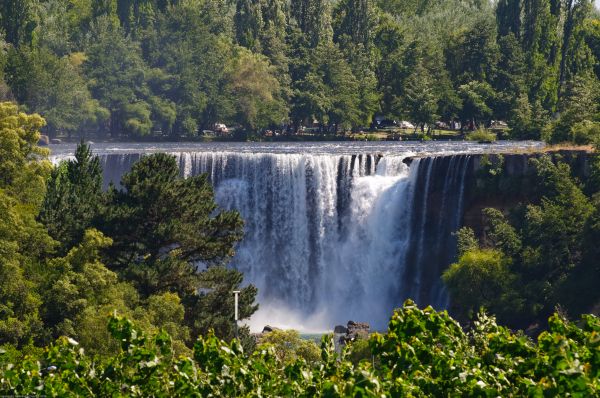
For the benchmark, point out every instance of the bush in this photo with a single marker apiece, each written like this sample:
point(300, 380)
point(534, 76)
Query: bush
point(481, 135)
point(585, 132)
point(359, 350)
point(289, 346)
point(424, 353)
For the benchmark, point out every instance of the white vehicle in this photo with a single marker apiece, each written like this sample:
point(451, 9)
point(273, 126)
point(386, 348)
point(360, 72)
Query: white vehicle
point(406, 125)
point(220, 128)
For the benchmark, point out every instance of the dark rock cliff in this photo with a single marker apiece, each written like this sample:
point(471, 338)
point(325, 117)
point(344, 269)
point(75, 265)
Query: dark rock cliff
point(502, 181)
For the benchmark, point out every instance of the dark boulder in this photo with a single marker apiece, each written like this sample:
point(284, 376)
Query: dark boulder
point(339, 329)
point(44, 140)
point(354, 331)
point(268, 329)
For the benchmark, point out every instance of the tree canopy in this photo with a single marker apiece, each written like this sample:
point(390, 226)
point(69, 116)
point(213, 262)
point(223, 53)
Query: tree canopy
point(137, 69)
point(70, 253)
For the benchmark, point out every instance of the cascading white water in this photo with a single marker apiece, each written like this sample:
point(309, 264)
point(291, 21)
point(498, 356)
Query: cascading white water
point(330, 238)
point(326, 236)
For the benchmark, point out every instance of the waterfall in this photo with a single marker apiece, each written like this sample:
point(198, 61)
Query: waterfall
point(330, 238)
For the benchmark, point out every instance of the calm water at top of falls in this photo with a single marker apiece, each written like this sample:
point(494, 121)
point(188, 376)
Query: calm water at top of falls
point(337, 148)
point(333, 230)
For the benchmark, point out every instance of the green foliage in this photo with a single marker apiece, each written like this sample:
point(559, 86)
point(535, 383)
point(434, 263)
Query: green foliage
point(481, 135)
point(482, 278)
point(253, 83)
point(423, 353)
point(359, 350)
point(289, 346)
point(586, 132)
point(500, 234)
point(174, 68)
point(466, 240)
point(579, 108)
point(73, 197)
point(213, 307)
point(143, 267)
point(185, 221)
point(541, 257)
point(23, 241)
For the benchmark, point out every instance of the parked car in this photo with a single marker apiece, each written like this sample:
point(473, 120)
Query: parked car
point(406, 125)
point(384, 123)
point(220, 128)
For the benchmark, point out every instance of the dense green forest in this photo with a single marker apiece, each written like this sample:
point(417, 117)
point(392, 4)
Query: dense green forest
point(70, 253)
point(125, 68)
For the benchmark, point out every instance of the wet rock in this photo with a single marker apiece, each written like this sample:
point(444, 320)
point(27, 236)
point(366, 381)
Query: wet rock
point(339, 329)
point(56, 141)
point(268, 329)
point(355, 330)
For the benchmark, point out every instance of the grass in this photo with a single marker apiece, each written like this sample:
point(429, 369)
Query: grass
point(482, 135)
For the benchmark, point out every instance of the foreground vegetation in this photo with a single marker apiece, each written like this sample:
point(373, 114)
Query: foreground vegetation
point(71, 253)
point(424, 353)
point(172, 68)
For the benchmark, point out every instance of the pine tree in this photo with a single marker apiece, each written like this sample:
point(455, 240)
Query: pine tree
point(356, 21)
point(248, 22)
point(73, 198)
point(314, 19)
point(508, 16)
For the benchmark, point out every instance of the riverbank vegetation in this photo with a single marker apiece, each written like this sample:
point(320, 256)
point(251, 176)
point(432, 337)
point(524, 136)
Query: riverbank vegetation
point(122, 69)
point(535, 256)
point(424, 353)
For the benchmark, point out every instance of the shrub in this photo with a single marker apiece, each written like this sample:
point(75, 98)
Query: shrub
point(423, 353)
point(482, 135)
point(585, 132)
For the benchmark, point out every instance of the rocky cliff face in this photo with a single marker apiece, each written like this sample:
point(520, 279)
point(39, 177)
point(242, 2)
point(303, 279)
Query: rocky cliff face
point(502, 181)
point(505, 181)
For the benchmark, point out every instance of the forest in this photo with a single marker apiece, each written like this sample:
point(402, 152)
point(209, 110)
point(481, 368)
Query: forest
point(173, 68)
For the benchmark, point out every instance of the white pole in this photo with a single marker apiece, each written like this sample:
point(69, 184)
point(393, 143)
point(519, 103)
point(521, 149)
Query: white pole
point(236, 295)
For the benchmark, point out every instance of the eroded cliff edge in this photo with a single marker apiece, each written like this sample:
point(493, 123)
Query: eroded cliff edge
point(502, 181)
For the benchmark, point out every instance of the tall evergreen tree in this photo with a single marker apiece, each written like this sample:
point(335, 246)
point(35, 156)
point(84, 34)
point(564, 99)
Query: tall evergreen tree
point(508, 15)
point(18, 21)
point(73, 198)
point(248, 22)
point(356, 20)
point(313, 18)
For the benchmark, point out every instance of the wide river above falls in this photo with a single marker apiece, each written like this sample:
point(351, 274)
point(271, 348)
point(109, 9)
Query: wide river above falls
point(334, 148)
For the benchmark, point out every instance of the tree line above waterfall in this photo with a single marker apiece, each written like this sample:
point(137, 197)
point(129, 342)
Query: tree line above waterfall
point(129, 69)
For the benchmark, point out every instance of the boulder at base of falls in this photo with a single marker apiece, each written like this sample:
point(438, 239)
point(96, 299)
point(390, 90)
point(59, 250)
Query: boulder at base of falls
point(339, 329)
point(268, 329)
point(355, 330)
